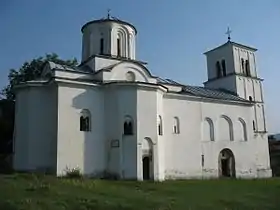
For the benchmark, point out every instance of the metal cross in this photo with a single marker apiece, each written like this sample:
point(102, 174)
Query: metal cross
point(108, 13)
point(228, 33)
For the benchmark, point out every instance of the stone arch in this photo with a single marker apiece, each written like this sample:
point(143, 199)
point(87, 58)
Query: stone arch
point(119, 71)
point(226, 163)
point(225, 128)
point(147, 158)
point(243, 129)
point(147, 146)
point(208, 130)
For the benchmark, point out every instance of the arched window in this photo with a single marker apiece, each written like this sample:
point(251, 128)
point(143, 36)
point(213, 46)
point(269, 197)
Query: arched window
point(130, 76)
point(218, 69)
point(250, 98)
point(244, 129)
point(226, 128)
point(208, 130)
point(101, 46)
point(128, 126)
point(85, 120)
point(176, 125)
point(247, 68)
point(224, 68)
point(160, 129)
point(121, 42)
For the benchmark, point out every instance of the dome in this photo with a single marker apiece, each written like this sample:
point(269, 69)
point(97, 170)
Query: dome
point(108, 36)
point(109, 19)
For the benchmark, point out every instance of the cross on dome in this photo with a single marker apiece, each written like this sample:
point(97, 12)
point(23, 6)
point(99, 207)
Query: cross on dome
point(108, 13)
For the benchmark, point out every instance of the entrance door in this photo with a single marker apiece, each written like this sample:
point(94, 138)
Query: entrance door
point(226, 163)
point(225, 167)
point(146, 168)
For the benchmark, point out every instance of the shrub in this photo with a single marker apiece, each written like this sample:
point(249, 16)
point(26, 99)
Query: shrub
point(73, 173)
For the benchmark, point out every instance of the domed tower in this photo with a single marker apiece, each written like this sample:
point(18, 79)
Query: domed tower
point(110, 37)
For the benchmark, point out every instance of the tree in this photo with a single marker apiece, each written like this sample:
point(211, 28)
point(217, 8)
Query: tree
point(32, 70)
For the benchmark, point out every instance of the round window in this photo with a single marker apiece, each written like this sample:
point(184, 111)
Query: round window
point(130, 76)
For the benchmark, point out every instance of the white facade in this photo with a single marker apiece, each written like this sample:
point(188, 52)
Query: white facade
point(111, 115)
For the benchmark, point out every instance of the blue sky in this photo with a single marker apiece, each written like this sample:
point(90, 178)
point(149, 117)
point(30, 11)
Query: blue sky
point(172, 35)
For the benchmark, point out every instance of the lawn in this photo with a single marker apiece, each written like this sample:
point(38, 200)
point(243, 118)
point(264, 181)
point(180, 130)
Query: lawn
point(36, 192)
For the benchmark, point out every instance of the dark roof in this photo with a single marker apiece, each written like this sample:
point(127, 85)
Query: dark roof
point(235, 44)
point(204, 92)
point(112, 57)
point(111, 19)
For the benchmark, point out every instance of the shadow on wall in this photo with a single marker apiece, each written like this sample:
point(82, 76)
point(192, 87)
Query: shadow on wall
point(274, 152)
point(89, 107)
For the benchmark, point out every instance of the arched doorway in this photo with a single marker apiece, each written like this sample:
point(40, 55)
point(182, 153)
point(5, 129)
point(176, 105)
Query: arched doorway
point(147, 159)
point(226, 163)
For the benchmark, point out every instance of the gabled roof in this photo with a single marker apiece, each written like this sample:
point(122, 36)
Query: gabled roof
point(233, 44)
point(109, 68)
point(203, 92)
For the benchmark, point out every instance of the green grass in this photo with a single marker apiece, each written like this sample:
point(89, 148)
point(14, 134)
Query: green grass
point(36, 192)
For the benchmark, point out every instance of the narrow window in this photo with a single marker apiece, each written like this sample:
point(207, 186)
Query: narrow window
point(85, 120)
point(101, 46)
point(175, 129)
point(202, 160)
point(160, 132)
point(243, 129)
point(224, 67)
point(242, 65)
point(218, 69)
point(254, 126)
point(250, 98)
point(247, 68)
point(176, 125)
point(226, 126)
point(209, 130)
point(82, 124)
point(128, 126)
point(119, 47)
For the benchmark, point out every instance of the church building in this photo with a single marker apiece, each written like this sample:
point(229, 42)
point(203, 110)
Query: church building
point(111, 115)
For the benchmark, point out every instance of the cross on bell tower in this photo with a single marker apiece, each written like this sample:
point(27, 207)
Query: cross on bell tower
point(108, 13)
point(228, 32)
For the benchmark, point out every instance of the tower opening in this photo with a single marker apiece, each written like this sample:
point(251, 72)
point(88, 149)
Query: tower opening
point(101, 46)
point(247, 68)
point(218, 69)
point(224, 68)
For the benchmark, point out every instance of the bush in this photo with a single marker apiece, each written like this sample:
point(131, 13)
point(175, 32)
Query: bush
point(73, 173)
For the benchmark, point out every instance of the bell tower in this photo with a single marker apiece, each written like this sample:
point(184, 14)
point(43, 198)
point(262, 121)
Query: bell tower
point(232, 67)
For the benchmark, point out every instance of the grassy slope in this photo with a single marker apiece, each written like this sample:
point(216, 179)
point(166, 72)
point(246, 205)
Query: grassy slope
point(45, 192)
